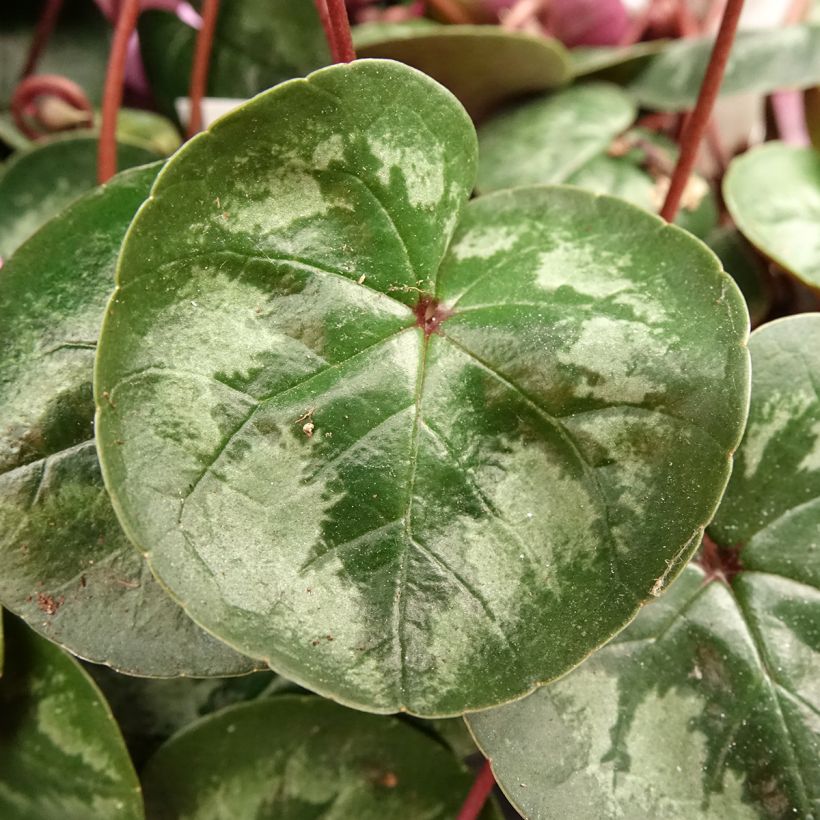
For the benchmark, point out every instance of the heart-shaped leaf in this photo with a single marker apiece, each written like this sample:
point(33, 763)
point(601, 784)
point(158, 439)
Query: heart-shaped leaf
point(782, 220)
point(36, 184)
point(484, 66)
point(304, 757)
point(61, 754)
point(65, 564)
point(707, 705)
point(549, 138)
point(760, 62)
point(340, 447)
point(257, 43)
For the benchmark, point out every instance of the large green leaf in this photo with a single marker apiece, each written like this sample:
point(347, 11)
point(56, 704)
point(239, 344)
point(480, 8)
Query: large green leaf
point(484, 66)
point(257, 44)
point(782, 219)
point(551, 137)
point(707, 705)
point(760, 61)
point(61, 753)
point(340, 446)
point(36, 184)
point(65, 564)
point(304, 758)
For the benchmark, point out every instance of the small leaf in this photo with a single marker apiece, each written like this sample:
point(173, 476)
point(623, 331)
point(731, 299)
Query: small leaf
point(257, 44)
point(37, 183)
point(484, 66)
point(341, 442)
point(304, 757)
point(65, 564)
point(548, 139)
point(61, 753)
point(706, 706)
point(782, 220)
point(746, 268)
point(617, 63)
point(760, 62)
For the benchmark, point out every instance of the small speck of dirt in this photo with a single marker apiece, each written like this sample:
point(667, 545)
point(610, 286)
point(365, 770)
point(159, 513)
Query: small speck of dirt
point(306, 420)
point(389, 780)
point(49, 604)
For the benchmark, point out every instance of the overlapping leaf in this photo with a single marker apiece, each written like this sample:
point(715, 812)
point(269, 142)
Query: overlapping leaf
point(782, 220)
point(484, 66)
point(707, 705)
point(760, 61)
point(61, 753)
point(304, 758)
point(36, 184)
point(342, 443)
point(65, 564)
point(257, 44)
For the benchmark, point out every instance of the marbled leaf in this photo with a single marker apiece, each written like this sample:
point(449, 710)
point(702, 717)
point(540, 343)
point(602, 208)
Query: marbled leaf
point(65, 564)
point(304, 758)
point(783, 219)
point(707, 705)
point(341, 442)
point(760, 62)
point(549, 138)
point(61, 753)
point(37, 183)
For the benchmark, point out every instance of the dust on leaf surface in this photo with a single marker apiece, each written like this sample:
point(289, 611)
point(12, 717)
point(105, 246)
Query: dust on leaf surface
point(707, 704)
point(522, 411)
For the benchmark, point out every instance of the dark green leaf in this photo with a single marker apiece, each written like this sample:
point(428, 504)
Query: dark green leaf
point(484, 66)
point(760, 62)
point(746, 268)
point(549, 138)
point(304, 758)
point(326, 486)
point(61, 753)
point(707, 705)
point(258, 43)
point(150, 711)
point(36, 184)
point(783, 219)
point(65, 564)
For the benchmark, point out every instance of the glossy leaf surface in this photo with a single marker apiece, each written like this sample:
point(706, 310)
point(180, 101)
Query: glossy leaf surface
point(65, 564)
point(38, 183)
point(547, 139)
point(61, 753)
point(335, 474)
point(257, 44)
point(484, 66)
point(782, 220)
point(706, 706)
point(760, 62)
point(304, 758)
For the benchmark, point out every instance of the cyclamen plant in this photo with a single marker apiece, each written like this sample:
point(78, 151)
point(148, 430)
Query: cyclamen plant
point(400, 436)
